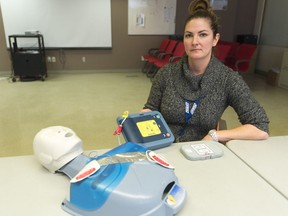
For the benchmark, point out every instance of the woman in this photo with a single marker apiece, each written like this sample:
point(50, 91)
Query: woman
point(192, 94)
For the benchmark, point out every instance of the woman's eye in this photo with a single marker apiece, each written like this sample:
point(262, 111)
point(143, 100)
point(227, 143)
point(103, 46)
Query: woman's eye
point(203, 35)
point(188, 35)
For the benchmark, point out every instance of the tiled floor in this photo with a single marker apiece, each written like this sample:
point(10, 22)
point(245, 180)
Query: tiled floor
point(90, 103)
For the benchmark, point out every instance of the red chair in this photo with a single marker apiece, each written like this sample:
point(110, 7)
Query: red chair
point(153, 52)
point(177, 54)
point(222, 51)
point(243, 56)
point(231, 56)
point(171, 57)
point(150, 61)
point(156, 51)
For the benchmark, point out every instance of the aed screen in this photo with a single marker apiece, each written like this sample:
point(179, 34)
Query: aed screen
point(148, 128)
point(144, 129)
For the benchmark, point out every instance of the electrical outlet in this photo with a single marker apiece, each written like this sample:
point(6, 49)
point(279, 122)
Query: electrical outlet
point(49, 59)
point(53, 59)
point(83, 59)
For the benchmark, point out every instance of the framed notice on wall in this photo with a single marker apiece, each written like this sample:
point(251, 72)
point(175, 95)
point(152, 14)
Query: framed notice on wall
point(219, 4)
point(151, 17)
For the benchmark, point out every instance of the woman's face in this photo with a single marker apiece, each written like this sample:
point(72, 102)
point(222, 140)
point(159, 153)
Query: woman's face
point(199, 39)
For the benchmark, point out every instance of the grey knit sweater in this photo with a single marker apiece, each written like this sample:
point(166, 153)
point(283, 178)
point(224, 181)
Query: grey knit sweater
point(216, 89)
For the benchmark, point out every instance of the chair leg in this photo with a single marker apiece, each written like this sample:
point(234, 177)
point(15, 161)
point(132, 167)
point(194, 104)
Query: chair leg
point(153, 71)
point(222, 125)
point(153, 76)
point(144, 66)
point(149, 69)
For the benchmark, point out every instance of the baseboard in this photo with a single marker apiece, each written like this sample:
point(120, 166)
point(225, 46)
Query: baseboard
point(259, 72)
point(5, 73)
point(137, 70)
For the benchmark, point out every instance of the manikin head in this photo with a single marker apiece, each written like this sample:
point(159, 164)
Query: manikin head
point(56, 146)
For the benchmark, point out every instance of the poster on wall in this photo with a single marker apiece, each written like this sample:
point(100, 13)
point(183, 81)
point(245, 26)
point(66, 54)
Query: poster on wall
point(151, 17)
point(219, 4)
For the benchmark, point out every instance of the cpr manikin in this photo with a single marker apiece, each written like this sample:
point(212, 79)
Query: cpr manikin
point(58, 148)
point(127, 180)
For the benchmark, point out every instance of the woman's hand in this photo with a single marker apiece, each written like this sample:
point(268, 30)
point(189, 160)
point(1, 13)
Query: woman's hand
point(244, 132)
point(145, 110)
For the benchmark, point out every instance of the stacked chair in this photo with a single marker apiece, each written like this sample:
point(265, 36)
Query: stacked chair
point(222, 51)
point(156, 51)
point(242, 58)
point(173, 54)
point(150, 61)
point(166, 58)
point(231, 55)
point(239, 55)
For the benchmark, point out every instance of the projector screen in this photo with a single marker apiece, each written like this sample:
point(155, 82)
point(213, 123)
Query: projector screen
point(63, 23)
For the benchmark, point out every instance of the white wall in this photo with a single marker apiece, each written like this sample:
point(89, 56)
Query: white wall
point(271, 32)
point(269, 57)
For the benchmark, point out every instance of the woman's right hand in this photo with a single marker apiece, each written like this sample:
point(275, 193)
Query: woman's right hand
point(145, 110)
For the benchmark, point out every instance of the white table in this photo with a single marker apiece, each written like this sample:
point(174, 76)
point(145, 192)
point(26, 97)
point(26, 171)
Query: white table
point(269, 158)
point(225, 186)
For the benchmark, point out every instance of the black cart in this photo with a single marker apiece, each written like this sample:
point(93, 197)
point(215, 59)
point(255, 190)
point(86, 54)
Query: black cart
point(28, 57)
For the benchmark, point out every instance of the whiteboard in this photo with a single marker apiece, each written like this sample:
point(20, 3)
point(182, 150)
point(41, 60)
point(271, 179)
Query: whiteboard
point(63, 23)
point(151, 17)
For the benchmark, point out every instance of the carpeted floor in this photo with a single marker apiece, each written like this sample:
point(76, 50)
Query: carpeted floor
point(89, 104)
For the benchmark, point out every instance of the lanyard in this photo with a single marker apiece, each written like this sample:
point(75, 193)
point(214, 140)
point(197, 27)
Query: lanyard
point(189, 112)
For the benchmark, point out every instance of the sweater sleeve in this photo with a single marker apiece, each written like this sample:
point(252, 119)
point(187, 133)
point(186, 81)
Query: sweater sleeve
point(156, 91)
point(245, 105)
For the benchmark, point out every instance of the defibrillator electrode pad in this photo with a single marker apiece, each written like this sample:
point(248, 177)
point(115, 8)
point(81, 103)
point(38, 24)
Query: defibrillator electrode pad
point(202, 150)
point(148, 129)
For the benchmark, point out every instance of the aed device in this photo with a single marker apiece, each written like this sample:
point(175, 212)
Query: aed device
point(148, 129)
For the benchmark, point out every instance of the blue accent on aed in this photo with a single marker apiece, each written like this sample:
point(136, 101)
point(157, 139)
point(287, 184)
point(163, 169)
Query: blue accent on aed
point(92, 192)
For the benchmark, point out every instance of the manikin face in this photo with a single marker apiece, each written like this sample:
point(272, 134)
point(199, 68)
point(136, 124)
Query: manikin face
point(199, 39)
